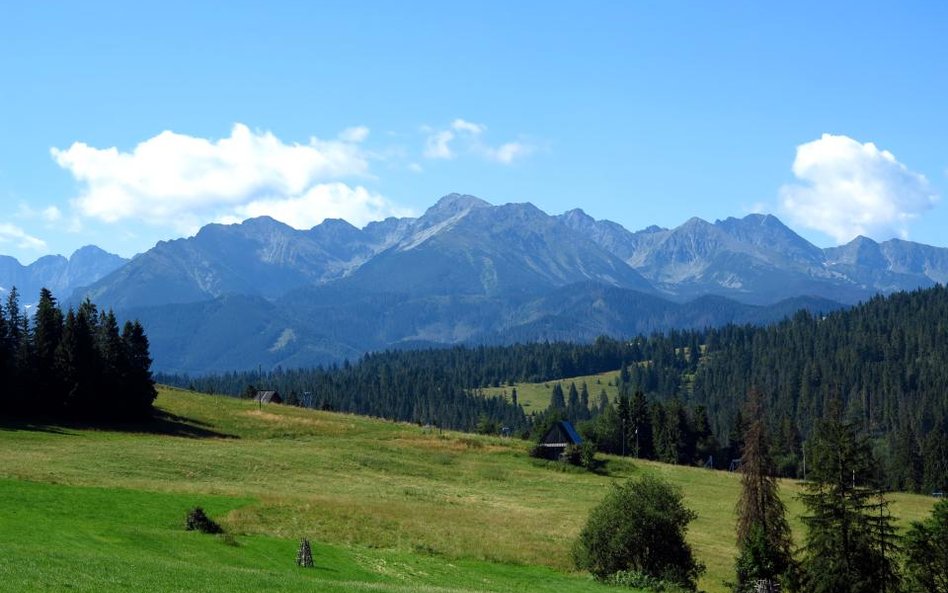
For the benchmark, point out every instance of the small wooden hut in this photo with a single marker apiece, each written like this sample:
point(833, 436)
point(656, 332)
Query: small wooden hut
point(268, 396)
point(557, 438)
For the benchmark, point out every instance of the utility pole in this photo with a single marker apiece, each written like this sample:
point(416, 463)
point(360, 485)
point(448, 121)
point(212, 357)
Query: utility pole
point(804, 460)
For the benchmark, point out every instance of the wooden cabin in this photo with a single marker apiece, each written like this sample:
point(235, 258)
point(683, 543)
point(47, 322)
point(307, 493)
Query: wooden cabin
point(268, 396)
point(557, 438)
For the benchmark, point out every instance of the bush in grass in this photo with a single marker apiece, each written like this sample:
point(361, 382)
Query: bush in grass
point(634, 579)
point(587, 455)
point(573, 455)
point(639, 527)
point(197, 520)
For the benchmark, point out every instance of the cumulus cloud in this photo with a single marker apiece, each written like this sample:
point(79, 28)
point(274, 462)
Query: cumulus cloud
point(184, 181)
point(357, 205)
point(356, 134)
point(437, 145)
point(468, 137)
point(848, 188)
point(13, 234)
point(508, 153)
point(461, 125)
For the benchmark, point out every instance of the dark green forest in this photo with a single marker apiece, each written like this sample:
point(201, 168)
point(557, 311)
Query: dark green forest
point(424, 386)
point(76, 365)
point(886, 360)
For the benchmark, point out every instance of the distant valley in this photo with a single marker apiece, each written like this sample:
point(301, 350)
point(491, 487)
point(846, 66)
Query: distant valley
point(262, 294)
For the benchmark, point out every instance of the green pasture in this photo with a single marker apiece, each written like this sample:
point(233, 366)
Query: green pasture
point(388, 506)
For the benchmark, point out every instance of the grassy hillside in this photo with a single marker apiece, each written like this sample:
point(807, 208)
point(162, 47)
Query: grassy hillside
point(535, 397)
point(388, 506)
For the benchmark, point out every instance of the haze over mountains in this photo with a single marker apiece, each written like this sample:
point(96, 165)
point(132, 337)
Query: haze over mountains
point(261, 293)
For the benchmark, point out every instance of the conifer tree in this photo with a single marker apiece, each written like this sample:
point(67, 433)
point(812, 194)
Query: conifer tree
point(850, 540)
point(926, 552)
point(76, 365)
point(557, 400)
point(602, 402)
point(641, 426)
point(763, 534)
point(140, 388)
point(572, 404)
point(584, 402)
point(47, 333)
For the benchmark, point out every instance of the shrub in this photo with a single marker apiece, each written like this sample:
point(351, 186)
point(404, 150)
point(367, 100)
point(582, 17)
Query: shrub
point(926, 551)
point(587, 455)
point(197, 520)
point(639, 526)
point(637, 580)
point(572, 455)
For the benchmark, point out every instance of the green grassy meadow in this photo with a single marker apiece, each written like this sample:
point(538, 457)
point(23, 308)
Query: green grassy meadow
point(535, 397)
point(387, 506)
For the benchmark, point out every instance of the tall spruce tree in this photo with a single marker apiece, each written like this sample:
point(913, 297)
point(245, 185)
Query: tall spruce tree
point(47, 333)
point(76, 366)
point(139, 385)
point(850, 543)
point(641, 426)
point(763, 534)
point(557, 399)
point(926, 552)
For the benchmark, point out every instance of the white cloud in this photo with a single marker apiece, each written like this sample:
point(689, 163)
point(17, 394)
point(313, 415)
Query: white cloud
point(465, 126)
point(437, 145)
point(13, 234)
point(357, 205)
point(356, 134)
point(847, 188)
point(182, 181)
point(468, 137)
point(508, 153)
point(52, 214)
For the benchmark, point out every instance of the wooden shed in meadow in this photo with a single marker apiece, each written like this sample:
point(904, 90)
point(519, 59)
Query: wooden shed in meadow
point(558, 437)
point(268, 396)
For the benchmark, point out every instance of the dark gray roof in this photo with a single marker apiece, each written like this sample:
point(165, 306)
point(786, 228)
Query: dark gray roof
point(267, 396)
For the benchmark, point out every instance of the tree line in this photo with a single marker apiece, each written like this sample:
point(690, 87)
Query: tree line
point(76, 365)
point(885, 361)
point(636, 535)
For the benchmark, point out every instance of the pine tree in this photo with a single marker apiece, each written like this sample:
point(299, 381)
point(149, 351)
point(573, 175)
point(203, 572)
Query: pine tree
point(47, 333)
point(641, 426)
point(584, 403)
point(139, 386)
point(602, 402)
point(572, 404)
point(850, 540)
point(557, 400)
point(763, 534)
point(926, 552)
point(935, 462)
point(706, 446)
point(76, 366)
point(113, 354)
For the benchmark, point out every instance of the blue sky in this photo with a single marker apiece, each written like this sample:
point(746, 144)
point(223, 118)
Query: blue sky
point(123, 125)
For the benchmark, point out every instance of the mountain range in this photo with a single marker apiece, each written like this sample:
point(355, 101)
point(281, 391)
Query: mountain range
point(261, 293)
point(57, 273)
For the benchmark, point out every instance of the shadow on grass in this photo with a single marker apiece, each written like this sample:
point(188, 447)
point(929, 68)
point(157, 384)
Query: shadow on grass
point(161, 423)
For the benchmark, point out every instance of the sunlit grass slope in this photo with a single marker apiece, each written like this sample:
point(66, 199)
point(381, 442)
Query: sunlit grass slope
point(535, 397)
point(388, 506)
